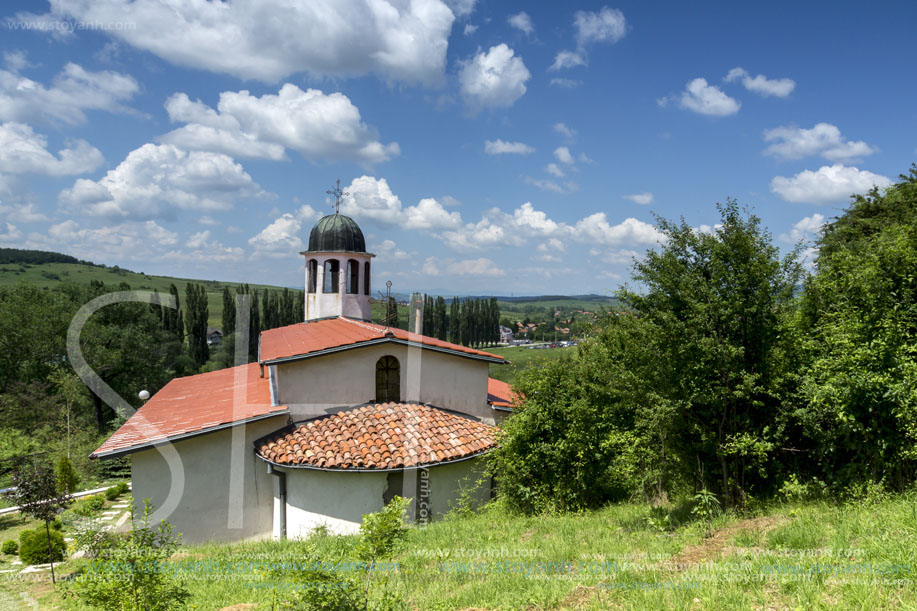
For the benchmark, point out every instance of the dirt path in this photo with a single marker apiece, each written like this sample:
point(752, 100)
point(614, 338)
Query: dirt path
point(712, 548)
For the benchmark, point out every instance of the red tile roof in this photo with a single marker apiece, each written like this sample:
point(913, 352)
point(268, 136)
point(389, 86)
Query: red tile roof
point(308, 338)
point(195, 404)
point(500, 394)
point(378, 436)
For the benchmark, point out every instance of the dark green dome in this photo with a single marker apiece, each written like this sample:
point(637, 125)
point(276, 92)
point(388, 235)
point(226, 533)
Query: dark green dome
point(336, 232)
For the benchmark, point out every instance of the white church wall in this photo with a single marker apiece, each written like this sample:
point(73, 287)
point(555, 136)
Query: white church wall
point(448, 481)
point(203, 510)
point(327, 498)
point(317, 385)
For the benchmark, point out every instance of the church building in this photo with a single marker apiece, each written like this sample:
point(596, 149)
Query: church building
point(336, 417)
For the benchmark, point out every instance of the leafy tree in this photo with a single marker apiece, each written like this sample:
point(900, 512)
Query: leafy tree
point(37, 496)
point(719, 304)
point(229, 313)
point(139, 557)
point(196, 322)
point(859, 318)
point(67, 479)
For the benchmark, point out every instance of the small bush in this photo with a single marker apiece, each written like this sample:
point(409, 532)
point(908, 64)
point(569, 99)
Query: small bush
point(89, 506)
point(67, 479)
point(112, 493)
point(33, 546)
point(10, 547)
point(123, 487)
point(57, 524)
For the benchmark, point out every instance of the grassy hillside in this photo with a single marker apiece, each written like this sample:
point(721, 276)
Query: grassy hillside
point(52, 274)
point(521, 358)
point(630, 556)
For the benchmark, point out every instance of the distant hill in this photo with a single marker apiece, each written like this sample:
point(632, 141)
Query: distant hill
point(49, 269)
point(37, 257)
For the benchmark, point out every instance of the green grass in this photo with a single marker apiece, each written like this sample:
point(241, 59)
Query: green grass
point(786, 557)
point(521, 358)
point(53, 274)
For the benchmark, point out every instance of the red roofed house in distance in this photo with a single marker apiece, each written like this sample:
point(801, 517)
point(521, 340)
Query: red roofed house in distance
point(337, 416)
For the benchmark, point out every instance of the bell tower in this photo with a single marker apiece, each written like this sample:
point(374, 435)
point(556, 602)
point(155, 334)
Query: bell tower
point(338, 274)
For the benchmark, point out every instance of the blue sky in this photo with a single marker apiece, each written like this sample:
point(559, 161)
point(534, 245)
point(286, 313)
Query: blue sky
point(488, 147)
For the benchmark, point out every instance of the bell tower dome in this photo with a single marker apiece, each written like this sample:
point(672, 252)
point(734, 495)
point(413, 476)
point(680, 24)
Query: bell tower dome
point(338, 278)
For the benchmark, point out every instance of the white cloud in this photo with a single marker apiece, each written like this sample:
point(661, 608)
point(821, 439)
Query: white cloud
point(644, 199)
point(596, 229)
point(22, 213)
point(823, 139)
point(522, 21)
point(73, 91)
point(606, 25)
point(760, 84)
point(388, 251)
point(371, 199)
point(318, 126)
point(22, 151)
point(496, 78)
point(279, 239)
point(804, 229)
point(158, 180)
point(563, 155)
point(128, 241)
point(554, 170)
point(827, 185)
point(545, 185)
point(268, 40)
point(566, 83)
point(482, 266)
point(567, 59)
point(470, 29)
point(461, 8)
point(9, 234)
point(553, 244)
point(205, 248)
point(567, 132)
point(429, 214)
point(499, 147)
point(706, 99)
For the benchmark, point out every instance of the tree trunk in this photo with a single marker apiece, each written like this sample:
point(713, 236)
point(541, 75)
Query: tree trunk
point(50, 552)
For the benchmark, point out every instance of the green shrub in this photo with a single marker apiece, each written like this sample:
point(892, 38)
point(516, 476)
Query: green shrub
point(10, 547)
point(113, 493)
point(139, 557)
point(33, 546)
point(67, 479)
point(89, 506)
point(57, 524)
point(123, 487)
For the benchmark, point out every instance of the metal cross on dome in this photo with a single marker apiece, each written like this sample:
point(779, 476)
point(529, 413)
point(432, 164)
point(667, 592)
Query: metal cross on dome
point(338, 194)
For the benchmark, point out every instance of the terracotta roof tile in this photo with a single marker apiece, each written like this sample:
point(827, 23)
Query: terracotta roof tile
point(500, 394)
point(430, 435)
point(194, 404)
point(302, 339)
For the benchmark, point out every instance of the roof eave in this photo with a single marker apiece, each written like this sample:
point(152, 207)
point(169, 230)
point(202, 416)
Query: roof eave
point(382, 340)
point(181, 436)
point(362, 470)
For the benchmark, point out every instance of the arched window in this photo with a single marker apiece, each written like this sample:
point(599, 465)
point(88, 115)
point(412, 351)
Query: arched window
point(353, 277)
point(388, 380)
point(366, 278)
point(332, 268)
point(312, 270)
